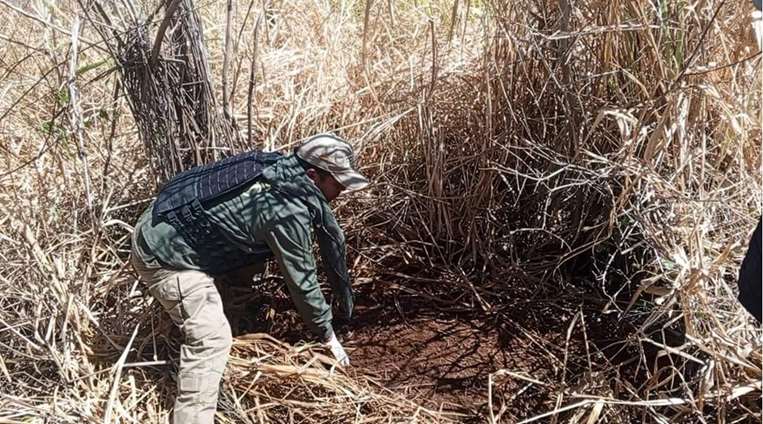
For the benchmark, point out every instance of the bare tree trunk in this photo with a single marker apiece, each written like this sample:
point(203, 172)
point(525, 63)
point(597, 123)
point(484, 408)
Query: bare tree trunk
point(167, 82)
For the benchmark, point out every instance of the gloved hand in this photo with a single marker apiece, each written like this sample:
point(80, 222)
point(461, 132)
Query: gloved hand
point(344, 302)
point(338, 351)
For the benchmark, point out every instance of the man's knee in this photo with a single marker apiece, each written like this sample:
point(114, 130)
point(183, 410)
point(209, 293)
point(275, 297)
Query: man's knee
point(207, 326)
point(222, 341)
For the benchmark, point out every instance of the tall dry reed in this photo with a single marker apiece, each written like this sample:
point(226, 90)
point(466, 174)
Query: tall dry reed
point(609, 149)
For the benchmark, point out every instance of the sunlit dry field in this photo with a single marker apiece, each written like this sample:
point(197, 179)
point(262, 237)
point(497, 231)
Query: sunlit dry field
point(562, 195)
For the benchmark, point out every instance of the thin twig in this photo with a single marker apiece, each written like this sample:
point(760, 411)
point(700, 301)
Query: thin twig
point(162, 29)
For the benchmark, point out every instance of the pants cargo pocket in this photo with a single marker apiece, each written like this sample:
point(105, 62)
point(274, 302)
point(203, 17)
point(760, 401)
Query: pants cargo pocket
point(196, 400)
point(190, 383)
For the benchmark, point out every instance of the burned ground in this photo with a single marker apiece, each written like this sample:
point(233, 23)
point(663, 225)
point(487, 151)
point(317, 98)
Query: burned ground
point(449, 356)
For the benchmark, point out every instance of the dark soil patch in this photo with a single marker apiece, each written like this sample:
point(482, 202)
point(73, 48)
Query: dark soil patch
point(441, 357)
point(440, 352)
point(418, 340)
point(442, 363)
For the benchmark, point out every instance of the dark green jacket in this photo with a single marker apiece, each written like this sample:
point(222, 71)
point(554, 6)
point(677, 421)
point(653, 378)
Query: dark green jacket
point(279, 215)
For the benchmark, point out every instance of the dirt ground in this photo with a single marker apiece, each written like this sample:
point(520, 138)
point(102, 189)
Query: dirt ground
point(434, 348)
point(441, 362)
point(440, 357)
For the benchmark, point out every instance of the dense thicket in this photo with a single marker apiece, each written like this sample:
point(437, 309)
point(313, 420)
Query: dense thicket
point(601, 151)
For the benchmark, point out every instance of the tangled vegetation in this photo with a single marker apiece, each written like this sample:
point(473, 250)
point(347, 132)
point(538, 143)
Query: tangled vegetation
point(581, 178)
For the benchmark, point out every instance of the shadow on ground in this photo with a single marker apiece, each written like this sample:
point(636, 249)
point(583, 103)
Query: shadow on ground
point(442, 356)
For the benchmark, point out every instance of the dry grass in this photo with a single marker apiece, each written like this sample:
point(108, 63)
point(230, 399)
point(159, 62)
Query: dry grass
point(606, 149)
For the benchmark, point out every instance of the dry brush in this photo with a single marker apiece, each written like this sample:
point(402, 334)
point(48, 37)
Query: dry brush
point(608, 150)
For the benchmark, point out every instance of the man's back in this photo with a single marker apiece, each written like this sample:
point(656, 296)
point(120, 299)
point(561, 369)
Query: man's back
point(240, 221)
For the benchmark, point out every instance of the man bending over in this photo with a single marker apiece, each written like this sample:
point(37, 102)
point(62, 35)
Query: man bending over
point(234, 213)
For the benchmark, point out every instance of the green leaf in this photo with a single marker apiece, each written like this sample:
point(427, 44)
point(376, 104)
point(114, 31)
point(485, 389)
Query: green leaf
point(62, 97)
point(90, 66)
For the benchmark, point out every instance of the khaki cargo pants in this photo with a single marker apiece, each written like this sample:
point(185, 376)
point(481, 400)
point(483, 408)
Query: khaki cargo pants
point(192, 301)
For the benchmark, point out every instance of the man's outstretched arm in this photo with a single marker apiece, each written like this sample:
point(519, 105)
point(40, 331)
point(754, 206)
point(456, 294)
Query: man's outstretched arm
point(291, 244)
point(333, 252)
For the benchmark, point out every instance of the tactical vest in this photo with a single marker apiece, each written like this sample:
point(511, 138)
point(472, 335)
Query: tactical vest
point(183, 200)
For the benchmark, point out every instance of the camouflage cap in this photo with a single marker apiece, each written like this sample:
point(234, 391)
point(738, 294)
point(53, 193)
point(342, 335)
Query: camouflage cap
point(334, 156)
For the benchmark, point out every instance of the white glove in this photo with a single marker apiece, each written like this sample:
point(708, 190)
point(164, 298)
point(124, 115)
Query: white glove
point(338, 351)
